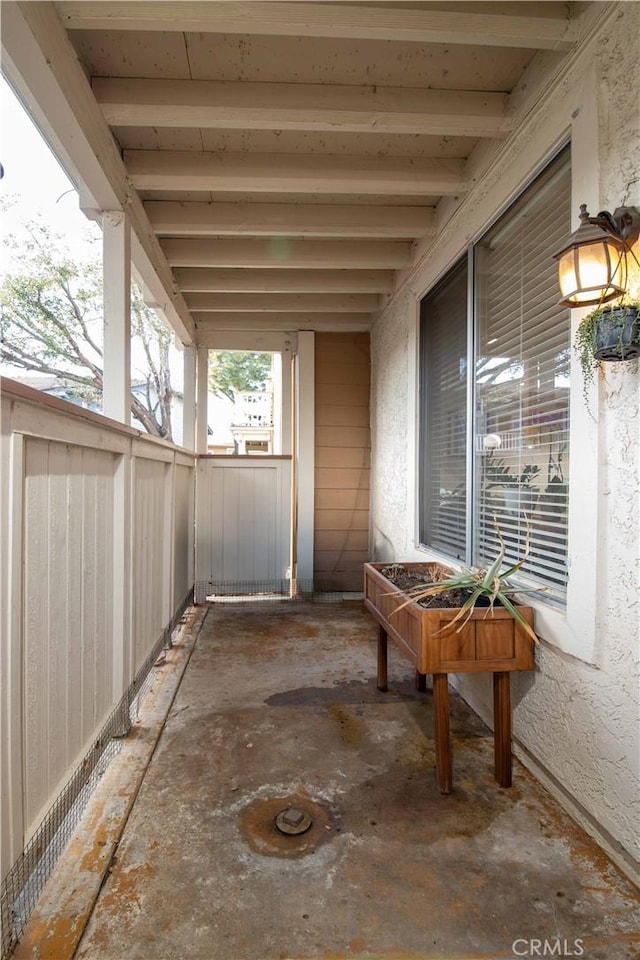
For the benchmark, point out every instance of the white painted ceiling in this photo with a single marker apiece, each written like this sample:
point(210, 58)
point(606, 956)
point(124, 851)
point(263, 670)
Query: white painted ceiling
point(290, 156)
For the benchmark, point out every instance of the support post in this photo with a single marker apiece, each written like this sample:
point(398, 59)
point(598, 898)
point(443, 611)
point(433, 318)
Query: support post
point(282, 406)
point(202, 411)
point(116, 243)
point(189, 398)
point(305, 456)
point(276, 410)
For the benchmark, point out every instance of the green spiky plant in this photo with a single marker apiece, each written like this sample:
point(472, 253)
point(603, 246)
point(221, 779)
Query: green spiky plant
point(491, 584)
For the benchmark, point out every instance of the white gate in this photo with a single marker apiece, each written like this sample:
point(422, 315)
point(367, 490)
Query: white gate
point(243, 526)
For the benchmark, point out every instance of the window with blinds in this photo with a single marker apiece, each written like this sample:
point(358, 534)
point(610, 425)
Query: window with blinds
point(519, 456)
point(522, 382)
point(443, 422)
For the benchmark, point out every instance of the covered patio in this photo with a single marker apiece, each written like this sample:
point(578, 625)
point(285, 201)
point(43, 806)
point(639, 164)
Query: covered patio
point(373, 193)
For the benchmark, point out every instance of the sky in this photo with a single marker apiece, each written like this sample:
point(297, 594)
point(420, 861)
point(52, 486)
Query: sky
point(34, 184)
point(34, 178)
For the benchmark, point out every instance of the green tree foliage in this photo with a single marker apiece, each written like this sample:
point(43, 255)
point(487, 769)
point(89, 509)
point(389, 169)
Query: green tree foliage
point(51, 312)
point(232, 372)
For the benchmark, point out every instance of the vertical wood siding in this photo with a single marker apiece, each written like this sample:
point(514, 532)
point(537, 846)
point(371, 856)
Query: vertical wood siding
point(151, 540)
point(243, 520)
point(342, 453)
point(97, 557)
point(68, 627)
point(183, 532)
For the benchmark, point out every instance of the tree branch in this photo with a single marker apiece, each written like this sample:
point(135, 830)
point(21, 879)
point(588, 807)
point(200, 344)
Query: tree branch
point(80, 318)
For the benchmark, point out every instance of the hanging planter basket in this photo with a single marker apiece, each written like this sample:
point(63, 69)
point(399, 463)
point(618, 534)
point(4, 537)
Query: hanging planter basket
point(617, 334)
point(610, 333)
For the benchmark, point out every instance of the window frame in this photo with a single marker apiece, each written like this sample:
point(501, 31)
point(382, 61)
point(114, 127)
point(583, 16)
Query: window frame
point(467, 272)
point(571, 631)
point(461, 265)
point(556, 168)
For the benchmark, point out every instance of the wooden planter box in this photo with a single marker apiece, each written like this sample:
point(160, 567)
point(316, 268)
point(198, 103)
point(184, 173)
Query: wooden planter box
point(490, 641)
point(487, 642)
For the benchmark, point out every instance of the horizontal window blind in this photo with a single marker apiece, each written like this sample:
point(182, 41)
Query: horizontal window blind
point(522, 383)
point(443, 422)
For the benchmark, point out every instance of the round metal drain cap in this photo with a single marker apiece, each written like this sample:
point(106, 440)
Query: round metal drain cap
point(293, 821)
point(289, 826)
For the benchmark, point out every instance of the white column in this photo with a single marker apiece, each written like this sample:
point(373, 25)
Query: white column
point(276, 411)
point(305, 446)
point(286, 387)
point(116, 247)
point(203, 400)
point(189, 399)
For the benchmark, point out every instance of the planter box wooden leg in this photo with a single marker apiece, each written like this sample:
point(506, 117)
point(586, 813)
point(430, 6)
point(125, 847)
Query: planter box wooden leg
point(382, 658)
point(502, 728)
point(444, 771)
point(496, 645)
point(421, 681)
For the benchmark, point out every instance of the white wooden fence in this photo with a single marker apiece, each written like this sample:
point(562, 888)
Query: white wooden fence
point(243, 529)
point(97, 558)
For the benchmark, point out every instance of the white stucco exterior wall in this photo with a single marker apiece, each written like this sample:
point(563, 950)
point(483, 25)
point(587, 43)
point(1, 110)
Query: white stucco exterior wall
point(577, 720)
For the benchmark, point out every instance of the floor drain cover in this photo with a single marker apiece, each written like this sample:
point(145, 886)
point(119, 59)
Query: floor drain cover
point(293, 821)
point(287, 826)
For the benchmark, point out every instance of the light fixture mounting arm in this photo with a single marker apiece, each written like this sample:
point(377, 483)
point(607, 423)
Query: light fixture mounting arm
point(623, 223)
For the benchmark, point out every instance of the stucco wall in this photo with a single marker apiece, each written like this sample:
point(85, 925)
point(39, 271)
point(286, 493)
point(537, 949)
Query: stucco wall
point(578, 718)
point(389, 421)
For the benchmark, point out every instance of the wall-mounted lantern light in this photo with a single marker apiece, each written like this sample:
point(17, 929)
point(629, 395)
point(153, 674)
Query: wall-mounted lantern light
point(592, 264)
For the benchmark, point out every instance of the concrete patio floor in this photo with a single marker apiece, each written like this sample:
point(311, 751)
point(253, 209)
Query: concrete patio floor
point(278, 707)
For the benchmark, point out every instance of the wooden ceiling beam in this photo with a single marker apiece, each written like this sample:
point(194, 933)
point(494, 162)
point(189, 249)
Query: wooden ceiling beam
point(362, 22)
point(281, 253)
point(282, 302)
point(279, 321)
point(203, 280)
point(185, 170)
point(192, 219)
point(211, 104)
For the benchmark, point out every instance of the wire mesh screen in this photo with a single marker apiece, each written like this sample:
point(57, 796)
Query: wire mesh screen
point(24, 883)
point(237, 590)
point(247, 591)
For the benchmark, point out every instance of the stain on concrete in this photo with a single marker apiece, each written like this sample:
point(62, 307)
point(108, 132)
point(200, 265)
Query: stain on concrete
point(258, 826)
point(51, 939)
point(202, 874)
point(349, 691)
point(350, 726)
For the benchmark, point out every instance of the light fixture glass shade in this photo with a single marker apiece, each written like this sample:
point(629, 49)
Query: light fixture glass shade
point(592, 264)
point(591, 272)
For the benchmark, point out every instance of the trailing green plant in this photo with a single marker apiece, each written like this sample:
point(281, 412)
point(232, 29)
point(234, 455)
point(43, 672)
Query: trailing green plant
point(491, 583)
point(620, 317)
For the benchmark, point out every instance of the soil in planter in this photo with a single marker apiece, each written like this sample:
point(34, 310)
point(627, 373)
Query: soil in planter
point(406, 581)
point(409, 580)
